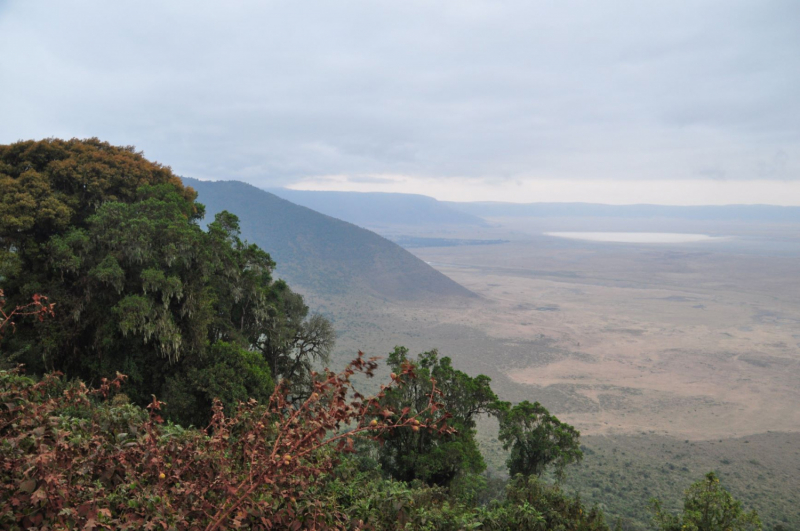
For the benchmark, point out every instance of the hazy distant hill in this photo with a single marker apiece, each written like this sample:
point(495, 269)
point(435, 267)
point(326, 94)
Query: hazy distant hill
point(323, 254)
point(375, 209)
point(765, 213)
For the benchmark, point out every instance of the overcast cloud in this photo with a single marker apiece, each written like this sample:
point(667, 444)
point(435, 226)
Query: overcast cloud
point(614, 101)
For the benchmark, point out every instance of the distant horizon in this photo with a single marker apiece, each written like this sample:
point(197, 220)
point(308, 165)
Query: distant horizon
point(694, 192)
point(294, 188)
point(492, 201)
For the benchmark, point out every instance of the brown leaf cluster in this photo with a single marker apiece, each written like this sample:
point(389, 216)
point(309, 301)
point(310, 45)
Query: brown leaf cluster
point(65, 464)
point(38, 307)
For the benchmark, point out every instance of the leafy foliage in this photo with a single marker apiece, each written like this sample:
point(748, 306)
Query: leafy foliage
point(53, 184)
point(527, 505)
point(141, 288)
point(530, 504)
point(537, 440)
point(38, 307)
point(68, 461)
point(228, 373)
point(707, 506)
point(293, 342)
point(435, 458)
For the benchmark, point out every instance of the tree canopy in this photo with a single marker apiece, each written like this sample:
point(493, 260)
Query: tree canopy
point(537, 440)
point(435, 458)
point(707, 506)
point(140, 288)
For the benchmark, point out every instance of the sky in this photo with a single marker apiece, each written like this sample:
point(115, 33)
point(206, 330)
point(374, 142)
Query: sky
point(678, 102)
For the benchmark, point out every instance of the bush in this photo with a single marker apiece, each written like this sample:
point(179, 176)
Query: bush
point(71, 459)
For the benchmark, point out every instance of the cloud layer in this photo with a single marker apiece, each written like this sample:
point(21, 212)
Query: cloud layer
point(442, 93)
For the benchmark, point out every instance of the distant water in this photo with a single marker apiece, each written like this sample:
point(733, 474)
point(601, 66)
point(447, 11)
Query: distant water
point(637, 237)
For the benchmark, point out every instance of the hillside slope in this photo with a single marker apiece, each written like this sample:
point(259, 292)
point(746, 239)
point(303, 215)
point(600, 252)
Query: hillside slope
point(375, 209)
point(322, 254)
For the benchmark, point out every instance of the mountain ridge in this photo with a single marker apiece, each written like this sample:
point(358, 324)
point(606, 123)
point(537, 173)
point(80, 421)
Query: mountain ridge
point(323, 254)
point(377, 209)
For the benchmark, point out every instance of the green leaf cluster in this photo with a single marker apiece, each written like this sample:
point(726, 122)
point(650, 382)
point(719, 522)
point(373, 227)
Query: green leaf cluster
point(408, 454)
point(526, 504)
point(536, 439)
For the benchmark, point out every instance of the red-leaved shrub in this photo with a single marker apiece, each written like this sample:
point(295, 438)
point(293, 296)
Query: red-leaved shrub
point(76, 458)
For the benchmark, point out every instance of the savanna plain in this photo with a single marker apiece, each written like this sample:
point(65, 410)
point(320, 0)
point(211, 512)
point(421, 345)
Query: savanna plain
point(672, 359)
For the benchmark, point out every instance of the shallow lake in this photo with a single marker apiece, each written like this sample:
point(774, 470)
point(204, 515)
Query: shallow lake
point(637, 237)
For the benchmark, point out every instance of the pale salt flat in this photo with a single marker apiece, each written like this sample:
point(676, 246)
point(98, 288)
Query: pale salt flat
point(637, 237)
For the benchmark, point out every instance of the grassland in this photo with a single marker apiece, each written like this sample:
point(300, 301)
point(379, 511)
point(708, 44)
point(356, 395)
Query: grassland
point(642, 347)
point(622, 473)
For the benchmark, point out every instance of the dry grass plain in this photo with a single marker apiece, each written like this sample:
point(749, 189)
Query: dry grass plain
point(695, 340)
point(672, 359)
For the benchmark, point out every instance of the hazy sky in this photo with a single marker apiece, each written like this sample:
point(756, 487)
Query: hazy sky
point(606, 101)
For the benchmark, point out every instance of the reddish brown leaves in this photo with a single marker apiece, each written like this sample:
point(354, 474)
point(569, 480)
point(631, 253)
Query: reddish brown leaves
point(251, 470)
point(38, 308)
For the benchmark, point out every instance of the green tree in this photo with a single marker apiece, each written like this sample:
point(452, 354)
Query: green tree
point(51, 185)
point(266, 316)
point(140, 288)
point(531, 504)
point(227, 372)
point(707, 506)
point(409, 453)
point(537, 440)
point(293, 341)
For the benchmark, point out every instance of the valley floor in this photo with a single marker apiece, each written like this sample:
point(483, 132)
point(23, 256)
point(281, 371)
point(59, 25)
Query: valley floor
point(640, 346)
point(681, 342)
